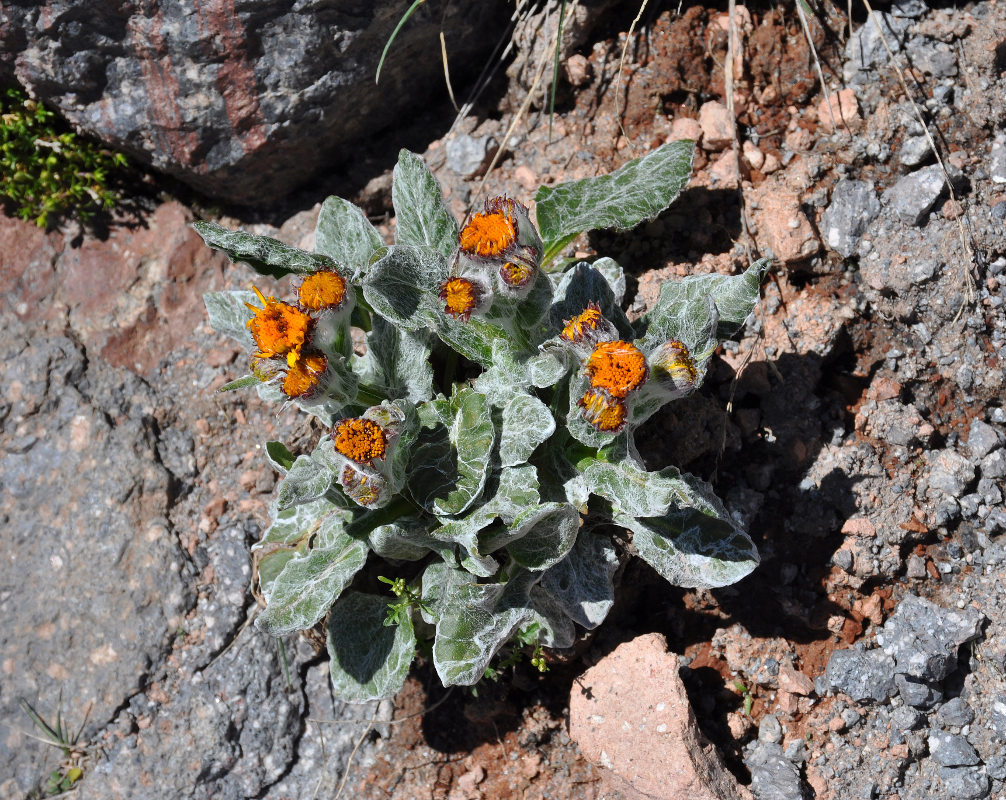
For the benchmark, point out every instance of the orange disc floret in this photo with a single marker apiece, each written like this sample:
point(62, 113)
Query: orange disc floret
point(618, 367)
point(321, 290)
point(602, 411)
point(516, 275)
point(361, 440)
point(492, 231)
point(586, 322)
point(303, 377)
point(461, 296)
point(279, 329)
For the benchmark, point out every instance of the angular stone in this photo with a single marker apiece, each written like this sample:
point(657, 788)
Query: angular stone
point(717, 132)
point(915, 194)
point(918, 693)
point(782, 226)
point(865, 48)
point(864, 676)
point(773, 776)
point(630, 713)
point(956, 712)
point(854, 205)
point(923, 638)
point(467, 155)
point(994, 465)
point(950, 472)
point(965, 783)
point(983, 439)
point(952, 750)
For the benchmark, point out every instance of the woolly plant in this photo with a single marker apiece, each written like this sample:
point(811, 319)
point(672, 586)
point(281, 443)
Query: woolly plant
point(480, 444)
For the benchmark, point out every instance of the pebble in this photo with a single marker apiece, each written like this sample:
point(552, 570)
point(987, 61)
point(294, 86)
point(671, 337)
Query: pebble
point(917, 693)
point(965, 783)
point(861, 675)
point(865, 48)
point(466, 155)
point(950, 472)
point(956, 713)
point(854, 205)
point(717, 132)
point(997, 162)
point(840, 111)
point(914, 151)
point(952, 750)
point(915, 194)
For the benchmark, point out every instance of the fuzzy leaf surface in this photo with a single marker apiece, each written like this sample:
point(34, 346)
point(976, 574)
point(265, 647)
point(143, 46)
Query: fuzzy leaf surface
point(304, 591)
point(636, 192)
point(581, 582)
point(263, 254)
point(694, 547)
point(306, 481)
point(636, 492)
point(546, 535)
point(229, 315)
point(398, 362)
point(478, 620)
point(345, 235)
point(422, 218)
point(451, 459)
point(402, 284)
point(368, 661)
point(527, 422)
point(681, 314)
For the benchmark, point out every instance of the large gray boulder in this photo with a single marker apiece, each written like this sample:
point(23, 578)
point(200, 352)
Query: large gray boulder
point(241, 100)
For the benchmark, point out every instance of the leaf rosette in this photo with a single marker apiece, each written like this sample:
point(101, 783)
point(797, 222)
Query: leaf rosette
point(497, 393)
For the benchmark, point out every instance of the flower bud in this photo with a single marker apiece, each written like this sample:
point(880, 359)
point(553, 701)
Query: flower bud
point(674, 369)
point(365, 488)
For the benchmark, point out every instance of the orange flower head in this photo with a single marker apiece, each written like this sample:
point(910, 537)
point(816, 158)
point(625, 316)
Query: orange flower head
point(618, 367)
point(279, 329)
point(360, 440)
point(602, 411)
point(461, 296)
point(583, 324)
point(364, 489)
point(516, 275)
point(304, 376)
point(492, 231)
point(323, 289)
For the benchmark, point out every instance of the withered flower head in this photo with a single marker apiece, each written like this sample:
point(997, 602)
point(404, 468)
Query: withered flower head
point(303, 377)
point(603, 411)
point(674, 368)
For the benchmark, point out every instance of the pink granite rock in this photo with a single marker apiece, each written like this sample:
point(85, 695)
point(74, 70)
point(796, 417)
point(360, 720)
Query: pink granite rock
point(630, 714)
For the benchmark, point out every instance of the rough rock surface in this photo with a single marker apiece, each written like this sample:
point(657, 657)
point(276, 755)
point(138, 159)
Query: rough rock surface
point(93, 584)
point(242, 101)
point(630, 713)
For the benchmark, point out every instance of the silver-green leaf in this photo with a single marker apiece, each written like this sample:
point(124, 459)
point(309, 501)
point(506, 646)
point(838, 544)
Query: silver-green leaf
point(229, 315)
point(527, 422)
point(638, 191)
point(303, 592)
point(421, 217)
point(345, 235)
point(367, 660)
point(263, 254)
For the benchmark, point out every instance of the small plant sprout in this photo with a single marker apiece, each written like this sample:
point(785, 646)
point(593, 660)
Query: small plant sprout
point(70, 770)
point(496, 401)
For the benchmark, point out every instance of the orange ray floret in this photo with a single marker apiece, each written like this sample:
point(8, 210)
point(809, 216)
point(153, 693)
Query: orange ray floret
point(303, 377)
point(618, 367)
point(322, 289)
point(602, 411)
point(584, 323)
point(361, 440)
point(492, 231)
point(461, 296)
point(279, 329)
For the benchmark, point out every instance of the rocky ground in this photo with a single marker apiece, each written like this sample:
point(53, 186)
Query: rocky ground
point(857, 428)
